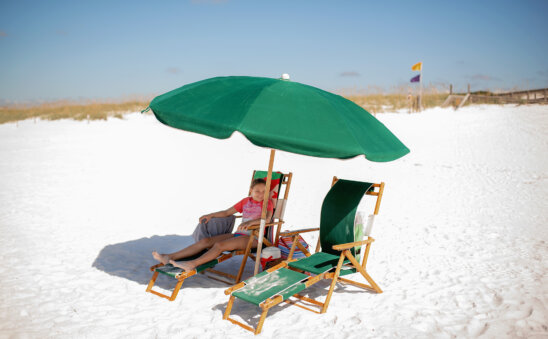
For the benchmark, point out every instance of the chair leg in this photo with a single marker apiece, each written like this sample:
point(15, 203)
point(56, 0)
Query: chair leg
point(176, 290)
point(173, 294)
point(229, 308)
point(152, 281)
point(261, 321)
point(362, 271)
point(226, 316)
point(333, 283)
point(244, 260)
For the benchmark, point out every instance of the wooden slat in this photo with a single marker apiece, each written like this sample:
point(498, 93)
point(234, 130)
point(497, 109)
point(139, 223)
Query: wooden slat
point(302, 248)
point(270, 302)
point(152, 268)
point(152, 281)
point(379, 198)
point(332, 287)
point(312, 301)
point(304, 230)
point(289, 301)
point(355, 283)
point(241, 325)
point(261, 322)
point(362, 271)
point(234, 288)
point(341, 247)
point(159, 294)
point(293, 245)
point(224, 274)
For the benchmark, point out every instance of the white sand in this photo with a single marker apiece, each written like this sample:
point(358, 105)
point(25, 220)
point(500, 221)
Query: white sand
point(461, 237)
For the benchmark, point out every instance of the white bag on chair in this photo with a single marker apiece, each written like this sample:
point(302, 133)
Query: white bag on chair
point(369, 226)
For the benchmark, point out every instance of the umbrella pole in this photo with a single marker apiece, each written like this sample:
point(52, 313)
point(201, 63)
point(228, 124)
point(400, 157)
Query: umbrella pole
point(264, 211)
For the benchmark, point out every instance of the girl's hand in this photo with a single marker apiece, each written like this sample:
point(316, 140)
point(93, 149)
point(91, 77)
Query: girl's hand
point(204, 219)
point(243, 226)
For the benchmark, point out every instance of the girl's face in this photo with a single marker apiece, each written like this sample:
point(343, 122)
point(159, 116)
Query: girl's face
point(257, 192)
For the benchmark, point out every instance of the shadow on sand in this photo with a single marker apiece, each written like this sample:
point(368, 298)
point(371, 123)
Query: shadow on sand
point(132, 259)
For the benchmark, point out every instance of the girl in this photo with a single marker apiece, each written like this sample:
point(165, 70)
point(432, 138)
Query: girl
point(250, 207)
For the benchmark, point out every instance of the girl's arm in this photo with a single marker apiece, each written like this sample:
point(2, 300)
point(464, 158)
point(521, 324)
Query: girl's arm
point(245, 225)
point(221, 214)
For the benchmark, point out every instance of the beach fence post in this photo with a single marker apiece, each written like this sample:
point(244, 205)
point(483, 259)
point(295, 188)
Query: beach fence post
point(450, 89)
point(88, 118)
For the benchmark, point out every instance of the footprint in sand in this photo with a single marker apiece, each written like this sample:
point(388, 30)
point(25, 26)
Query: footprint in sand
point(355, 320)
point(476, 328)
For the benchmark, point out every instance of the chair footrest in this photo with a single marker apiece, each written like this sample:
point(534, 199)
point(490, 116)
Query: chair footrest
point(282, 282)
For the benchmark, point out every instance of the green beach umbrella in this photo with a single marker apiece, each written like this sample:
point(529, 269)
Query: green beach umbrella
point(278, 114)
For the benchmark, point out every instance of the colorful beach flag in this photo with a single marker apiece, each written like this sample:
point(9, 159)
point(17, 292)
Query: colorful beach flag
point(417, 66)
point(416, 79)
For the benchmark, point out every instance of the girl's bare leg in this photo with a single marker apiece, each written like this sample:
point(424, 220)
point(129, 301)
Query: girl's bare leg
point(192, 249)
point(235, 243)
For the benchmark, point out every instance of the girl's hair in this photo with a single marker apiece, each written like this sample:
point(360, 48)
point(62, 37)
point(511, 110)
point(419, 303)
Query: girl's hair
point(256, 182)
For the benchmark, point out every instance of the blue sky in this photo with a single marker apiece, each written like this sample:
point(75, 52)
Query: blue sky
point(53, 50)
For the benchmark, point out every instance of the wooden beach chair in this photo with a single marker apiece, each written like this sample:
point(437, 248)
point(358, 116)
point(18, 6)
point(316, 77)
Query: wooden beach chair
point(280, 184)
point(336, 258)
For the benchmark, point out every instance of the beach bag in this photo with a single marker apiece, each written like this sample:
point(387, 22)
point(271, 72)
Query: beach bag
point(285, 243)
point(363, 226)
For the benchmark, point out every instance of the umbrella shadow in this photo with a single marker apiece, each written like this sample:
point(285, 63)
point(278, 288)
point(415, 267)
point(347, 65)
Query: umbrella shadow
point(132, 259)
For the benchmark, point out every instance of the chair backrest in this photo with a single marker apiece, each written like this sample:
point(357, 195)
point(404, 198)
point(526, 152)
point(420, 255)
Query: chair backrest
point(338, 213)
point(280, 183)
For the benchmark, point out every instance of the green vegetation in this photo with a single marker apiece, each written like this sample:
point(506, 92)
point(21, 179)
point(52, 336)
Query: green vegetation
point(379, 103)
point(70, 110)
point(375, 102)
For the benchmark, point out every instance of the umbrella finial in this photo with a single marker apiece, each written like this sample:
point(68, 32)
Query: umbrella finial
point(285, 76)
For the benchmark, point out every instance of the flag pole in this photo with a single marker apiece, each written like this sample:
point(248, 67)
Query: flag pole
point(420, 89)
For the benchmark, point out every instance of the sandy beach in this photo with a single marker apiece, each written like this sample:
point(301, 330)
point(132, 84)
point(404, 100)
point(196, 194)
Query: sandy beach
point(461, 238)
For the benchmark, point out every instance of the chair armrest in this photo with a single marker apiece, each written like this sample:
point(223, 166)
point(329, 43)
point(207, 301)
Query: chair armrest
point(342, 247)
point(268, 224)
point(305, 230)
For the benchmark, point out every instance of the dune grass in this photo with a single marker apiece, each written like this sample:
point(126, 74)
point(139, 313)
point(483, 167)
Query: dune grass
point(70, 110)
point(391, 102)
point(374, 102)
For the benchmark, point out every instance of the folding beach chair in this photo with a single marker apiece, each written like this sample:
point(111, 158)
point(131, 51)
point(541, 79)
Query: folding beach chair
point(337, 256)
point(280, 183)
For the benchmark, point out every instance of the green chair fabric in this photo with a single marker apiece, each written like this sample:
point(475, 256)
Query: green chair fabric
point(321, 262)
point(173, 271)
point(317, 263)
point(338, 214)
point(263, 174)
point(264, 285)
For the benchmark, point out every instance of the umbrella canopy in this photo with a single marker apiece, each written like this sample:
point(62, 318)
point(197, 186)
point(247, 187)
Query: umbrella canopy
point(278, 114)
